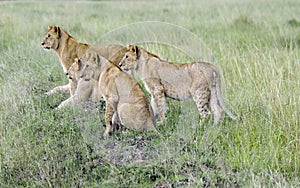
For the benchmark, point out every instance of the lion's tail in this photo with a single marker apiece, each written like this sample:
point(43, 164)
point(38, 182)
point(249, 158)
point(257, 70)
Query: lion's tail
point(219, 95)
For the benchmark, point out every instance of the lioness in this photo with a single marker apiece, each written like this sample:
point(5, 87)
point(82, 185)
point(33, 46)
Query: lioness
point(67, 49)
point(198, 80)
point(125, 100)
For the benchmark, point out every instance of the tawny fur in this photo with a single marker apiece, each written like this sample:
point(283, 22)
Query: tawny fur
point(68, 48)
point(199, 81)
point(125, 100)
point(83, 88)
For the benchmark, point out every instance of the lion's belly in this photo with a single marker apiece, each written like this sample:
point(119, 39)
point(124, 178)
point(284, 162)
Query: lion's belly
point(177, 84)
point(178, 92)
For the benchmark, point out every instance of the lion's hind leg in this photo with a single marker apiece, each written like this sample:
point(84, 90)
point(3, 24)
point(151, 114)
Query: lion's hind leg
point(116, 122)
point(201, 99)
point(136, 117)
point(109, 112)
point(201, 96)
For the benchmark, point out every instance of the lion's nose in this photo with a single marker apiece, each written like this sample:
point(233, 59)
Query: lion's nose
point(42, 43)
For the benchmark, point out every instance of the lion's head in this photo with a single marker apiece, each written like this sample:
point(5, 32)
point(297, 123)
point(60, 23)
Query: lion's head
point(74, 69)
point(91, 63)
point(130, 58)
point(51, 39)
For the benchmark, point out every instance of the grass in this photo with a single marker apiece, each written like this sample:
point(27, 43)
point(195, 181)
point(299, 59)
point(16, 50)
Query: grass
point(255, 44)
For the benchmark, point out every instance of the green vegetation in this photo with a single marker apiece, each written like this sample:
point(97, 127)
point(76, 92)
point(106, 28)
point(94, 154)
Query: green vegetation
point(256, 45)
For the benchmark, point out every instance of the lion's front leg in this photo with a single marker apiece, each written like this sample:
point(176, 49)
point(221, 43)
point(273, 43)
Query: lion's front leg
point(158, 102)
point(67, 102)
point(62, 89)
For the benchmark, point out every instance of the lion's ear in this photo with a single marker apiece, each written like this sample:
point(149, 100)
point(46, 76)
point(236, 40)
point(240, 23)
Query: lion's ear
point(136, 51)
point(98, 60)
point(77, 64)
point(58, 31)
point(76, 60)
point(133, 48)
point(49, 27)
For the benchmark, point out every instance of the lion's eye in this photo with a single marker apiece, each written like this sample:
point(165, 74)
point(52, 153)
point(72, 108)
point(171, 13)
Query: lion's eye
point(48, 35)
point(126, 56)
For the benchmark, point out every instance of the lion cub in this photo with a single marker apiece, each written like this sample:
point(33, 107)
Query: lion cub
point(125, 100)
point(82, 89)
point(198, 80)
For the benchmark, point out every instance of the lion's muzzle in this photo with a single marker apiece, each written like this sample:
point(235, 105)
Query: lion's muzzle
point(45, 47)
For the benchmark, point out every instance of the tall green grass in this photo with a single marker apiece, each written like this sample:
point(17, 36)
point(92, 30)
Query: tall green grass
point(255, 44)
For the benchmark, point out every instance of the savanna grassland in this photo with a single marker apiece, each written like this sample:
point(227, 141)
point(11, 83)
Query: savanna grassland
point(254, 43)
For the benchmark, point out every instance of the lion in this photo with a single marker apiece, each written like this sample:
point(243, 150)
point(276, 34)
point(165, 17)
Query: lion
point(83, 89)
point(68, 48)
point(126, 103)
point(198, 80)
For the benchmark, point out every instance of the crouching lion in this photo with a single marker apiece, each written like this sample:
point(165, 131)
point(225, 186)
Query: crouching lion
point(84, 88)
point(198, 80)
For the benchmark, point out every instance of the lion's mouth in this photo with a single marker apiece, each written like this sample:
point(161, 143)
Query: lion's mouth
point(45, 47)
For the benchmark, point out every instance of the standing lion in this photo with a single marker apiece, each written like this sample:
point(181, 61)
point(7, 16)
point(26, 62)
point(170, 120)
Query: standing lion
point(199, 81)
